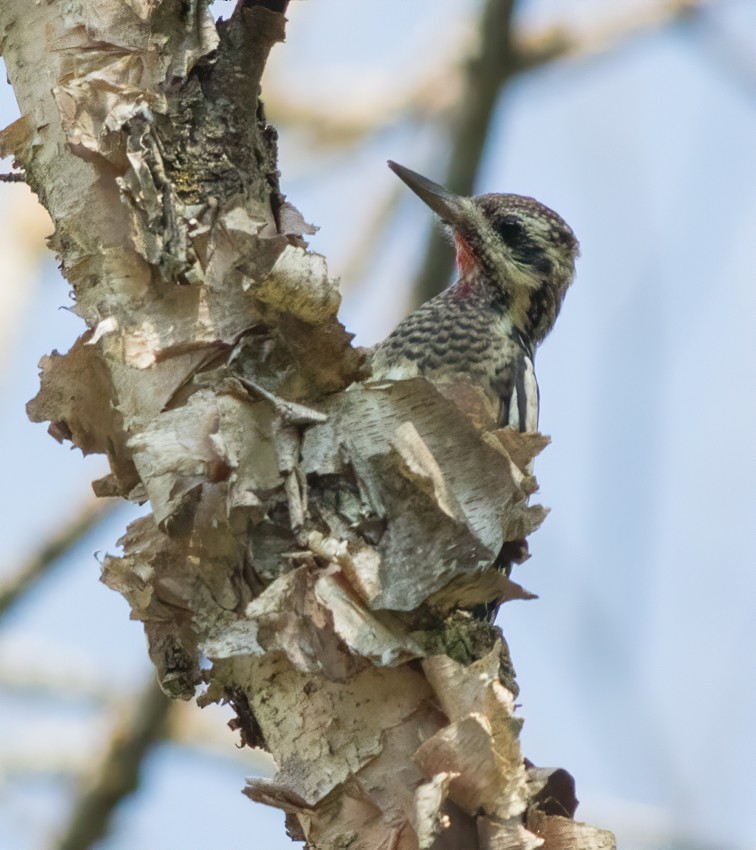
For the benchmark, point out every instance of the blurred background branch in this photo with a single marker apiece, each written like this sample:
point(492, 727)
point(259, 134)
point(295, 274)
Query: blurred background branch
point(501, 57)
point(20, 581)
point(485, 74)
point(142, 725)
point(559, 42)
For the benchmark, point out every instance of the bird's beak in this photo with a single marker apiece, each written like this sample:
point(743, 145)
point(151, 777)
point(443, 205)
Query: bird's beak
point(444, 203)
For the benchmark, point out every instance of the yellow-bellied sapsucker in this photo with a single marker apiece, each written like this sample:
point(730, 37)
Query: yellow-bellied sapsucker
point(516, 259)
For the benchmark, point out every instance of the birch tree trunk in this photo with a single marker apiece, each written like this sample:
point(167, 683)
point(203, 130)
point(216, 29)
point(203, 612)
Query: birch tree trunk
point(317, 540)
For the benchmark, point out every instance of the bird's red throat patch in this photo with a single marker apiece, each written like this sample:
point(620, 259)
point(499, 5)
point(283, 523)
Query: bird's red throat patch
point(465, 259)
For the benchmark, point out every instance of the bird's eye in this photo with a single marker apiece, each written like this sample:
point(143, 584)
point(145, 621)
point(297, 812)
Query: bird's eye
point(510, 229)
point(524, 249)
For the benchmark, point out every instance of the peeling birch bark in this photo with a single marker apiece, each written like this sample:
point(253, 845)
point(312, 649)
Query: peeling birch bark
point(319, 540)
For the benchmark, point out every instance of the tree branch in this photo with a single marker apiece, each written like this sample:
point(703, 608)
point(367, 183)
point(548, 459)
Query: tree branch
point(322, 549)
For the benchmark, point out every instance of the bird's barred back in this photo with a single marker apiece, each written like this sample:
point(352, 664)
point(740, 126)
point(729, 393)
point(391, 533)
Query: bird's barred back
point(451, 340)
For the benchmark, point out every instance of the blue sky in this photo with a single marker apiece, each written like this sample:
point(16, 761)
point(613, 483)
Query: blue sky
point(636, 662)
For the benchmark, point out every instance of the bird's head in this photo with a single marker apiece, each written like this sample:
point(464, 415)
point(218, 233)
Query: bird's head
point(522, 249)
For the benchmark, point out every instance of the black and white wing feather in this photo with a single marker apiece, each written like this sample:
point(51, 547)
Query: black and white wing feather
point(517, 389)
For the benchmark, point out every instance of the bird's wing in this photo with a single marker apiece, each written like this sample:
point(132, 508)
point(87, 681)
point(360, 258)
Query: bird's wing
point(517, 388)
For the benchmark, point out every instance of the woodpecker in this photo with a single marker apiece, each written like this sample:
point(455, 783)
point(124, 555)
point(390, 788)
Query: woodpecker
point(516, 260)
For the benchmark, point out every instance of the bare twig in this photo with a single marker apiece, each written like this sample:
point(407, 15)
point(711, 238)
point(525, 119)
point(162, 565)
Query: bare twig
point(89, 515)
